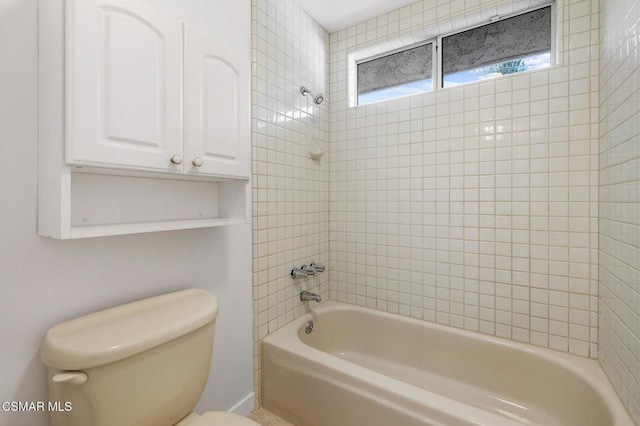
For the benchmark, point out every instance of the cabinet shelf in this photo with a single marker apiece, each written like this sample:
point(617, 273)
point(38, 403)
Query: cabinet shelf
point(94, 204)
point(142, 227)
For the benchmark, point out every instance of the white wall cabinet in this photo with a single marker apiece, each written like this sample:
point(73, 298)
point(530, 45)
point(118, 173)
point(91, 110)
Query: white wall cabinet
point(124, 85)
point(217, 98)
point(128, 68)
point(144, 123)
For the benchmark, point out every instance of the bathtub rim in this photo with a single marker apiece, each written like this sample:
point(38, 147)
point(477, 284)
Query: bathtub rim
point(588, 369)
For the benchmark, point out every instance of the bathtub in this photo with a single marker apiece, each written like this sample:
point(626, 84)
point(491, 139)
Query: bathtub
point(361, 367)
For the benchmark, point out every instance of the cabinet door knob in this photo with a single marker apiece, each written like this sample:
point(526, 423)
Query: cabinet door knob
point(197, 162)
point(176, 159)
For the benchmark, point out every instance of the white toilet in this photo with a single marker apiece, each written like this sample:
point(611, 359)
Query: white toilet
point(144, 363)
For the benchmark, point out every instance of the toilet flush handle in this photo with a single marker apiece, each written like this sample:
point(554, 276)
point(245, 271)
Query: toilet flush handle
point(71, 378)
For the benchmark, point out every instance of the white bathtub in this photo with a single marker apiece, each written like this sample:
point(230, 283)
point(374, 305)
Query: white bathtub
point(361, 367)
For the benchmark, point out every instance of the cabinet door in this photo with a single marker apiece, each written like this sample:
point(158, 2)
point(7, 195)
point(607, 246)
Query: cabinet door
point(217, 109)
point(123, 86)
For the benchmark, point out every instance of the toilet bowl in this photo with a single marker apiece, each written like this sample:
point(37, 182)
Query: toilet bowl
point(145, 363)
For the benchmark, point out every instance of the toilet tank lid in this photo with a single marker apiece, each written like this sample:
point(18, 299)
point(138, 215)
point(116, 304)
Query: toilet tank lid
point(122, 331)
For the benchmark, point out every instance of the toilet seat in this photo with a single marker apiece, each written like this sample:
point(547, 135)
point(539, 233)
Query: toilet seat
point(218, 418)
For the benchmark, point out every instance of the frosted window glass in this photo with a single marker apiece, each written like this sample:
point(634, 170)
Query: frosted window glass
point(522, 36)
point(397, 69)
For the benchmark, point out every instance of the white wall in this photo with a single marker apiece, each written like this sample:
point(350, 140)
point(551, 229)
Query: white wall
point(620, 199)
point(44, 281)
point(474, 206)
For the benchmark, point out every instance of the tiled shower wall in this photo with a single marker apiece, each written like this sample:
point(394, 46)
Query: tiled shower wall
point(620, 199)
point(290, 190)
point(474, 206)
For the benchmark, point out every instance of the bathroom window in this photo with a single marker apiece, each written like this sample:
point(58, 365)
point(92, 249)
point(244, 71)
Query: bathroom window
point(520, 43)
point(505, 46)
point(394, 75)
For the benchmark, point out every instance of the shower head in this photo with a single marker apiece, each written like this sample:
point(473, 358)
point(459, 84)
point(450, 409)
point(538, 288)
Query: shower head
point(318, 99)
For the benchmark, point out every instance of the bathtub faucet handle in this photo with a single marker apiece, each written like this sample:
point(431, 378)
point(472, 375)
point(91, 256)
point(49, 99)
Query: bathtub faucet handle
point(308, 269)
point(318, 267)
point(298, 273)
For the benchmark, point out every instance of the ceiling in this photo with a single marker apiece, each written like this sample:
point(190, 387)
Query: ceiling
point(336, 15)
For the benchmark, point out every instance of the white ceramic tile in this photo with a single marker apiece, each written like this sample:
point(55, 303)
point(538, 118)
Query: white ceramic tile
point(290, 190)
point(486, 179)
point(619, 223)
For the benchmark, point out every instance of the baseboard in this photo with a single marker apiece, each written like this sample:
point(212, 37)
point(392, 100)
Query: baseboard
point(245, 406)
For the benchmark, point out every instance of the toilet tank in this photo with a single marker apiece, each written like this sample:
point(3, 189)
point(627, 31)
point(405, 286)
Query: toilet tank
point(146, 362)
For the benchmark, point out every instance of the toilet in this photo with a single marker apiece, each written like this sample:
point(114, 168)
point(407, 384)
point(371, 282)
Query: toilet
point(145, 363)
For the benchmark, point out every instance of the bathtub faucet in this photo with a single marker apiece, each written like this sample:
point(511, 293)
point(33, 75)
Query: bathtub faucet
point(318, 267)
point(307, 296)
point(298, 273)
point(308, 269)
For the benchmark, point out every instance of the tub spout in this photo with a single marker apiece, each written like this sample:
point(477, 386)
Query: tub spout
point(307, 296)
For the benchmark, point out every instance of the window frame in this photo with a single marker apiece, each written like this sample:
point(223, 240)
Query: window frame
point(437, 74)
point(493, 20)
point(434, 65)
